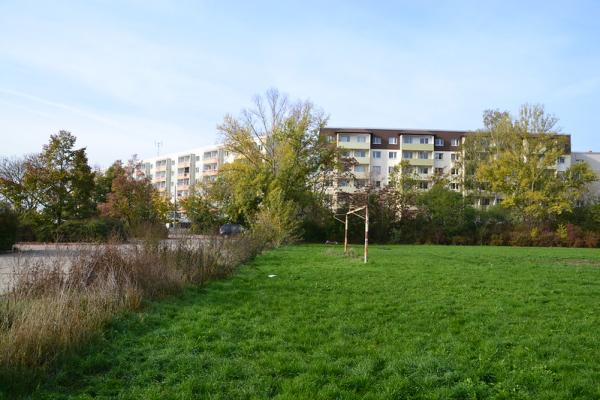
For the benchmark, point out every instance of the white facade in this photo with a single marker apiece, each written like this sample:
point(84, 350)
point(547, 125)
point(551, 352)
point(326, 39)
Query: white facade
point(176, 174)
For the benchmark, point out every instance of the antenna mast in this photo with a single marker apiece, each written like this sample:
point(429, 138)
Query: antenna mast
point(158, 146)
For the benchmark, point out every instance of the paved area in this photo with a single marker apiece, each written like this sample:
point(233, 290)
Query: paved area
point(62, 254)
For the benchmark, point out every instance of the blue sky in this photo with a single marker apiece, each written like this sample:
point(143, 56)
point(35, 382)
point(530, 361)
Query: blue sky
point(123, 74)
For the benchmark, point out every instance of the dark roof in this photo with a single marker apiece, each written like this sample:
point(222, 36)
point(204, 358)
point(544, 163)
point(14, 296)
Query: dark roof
point(447, 135)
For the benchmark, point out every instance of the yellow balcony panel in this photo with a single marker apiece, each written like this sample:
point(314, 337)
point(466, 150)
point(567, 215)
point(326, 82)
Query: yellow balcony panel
point(353, 144)
point(420, 162)
point(416, 146)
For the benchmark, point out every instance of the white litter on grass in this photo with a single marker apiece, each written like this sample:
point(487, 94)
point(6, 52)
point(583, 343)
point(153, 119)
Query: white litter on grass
point(272, 276)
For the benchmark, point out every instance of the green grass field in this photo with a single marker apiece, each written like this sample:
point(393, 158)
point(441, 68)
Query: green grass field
point(416, 322)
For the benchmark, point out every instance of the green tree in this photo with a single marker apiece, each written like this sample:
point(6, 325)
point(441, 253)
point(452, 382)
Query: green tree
point(404, 188)
point(446, 213)
point(202, 215)
point(8, 227)
point(60, 181)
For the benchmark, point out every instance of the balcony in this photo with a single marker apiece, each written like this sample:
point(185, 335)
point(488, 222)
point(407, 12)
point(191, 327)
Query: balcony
point(354, 143)
point(210, 160)
point(415, 146)
point(209, 172)
point(420, 162)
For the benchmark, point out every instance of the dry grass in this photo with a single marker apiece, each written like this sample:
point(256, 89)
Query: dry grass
point(52, 309)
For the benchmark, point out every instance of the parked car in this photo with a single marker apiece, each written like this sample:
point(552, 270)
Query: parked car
point(230, 229)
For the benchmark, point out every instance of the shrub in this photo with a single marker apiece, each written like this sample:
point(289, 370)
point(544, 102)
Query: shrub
point(91, 230)
point(276, 222)
point(149, 231)
point(520, 238)
point(497, 240)
point(591, 239)
point(8, 227)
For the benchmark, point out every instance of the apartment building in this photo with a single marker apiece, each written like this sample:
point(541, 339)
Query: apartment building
point(176, 174)
point(378, 151)
point(374, 154)
point(593, 160)
point(430, 153)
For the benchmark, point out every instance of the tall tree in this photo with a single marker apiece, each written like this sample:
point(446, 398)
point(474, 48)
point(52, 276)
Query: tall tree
point(518, 159)
point(60, 180)
point(278, 148)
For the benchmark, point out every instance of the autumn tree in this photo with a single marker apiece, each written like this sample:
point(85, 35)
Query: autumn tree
point(132, 199)
point(518, 158)
point(278, 150)
point(13, 190)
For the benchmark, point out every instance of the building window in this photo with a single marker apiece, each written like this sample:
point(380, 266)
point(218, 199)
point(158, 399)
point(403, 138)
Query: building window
point(376, 140)
point(454, 157)
point(439, 156)
point(393, 140)
point(454, 142)
point(423, 170)
point(330, 138)
point(376, 154)
point(378, 184)
point(361, 139)
point(407, 139)
point(343, 183)
point(454, 171)
point(361, 153)
point(454, 186)
point(210, 154)
point(344, 138)
point(485, 201)
point(424, 140)
point(424, 155)
point(439, 171)
point(407, 154)
point(376, 169)
point(390, 170)
point(423, 185)
point(561, 160)
point(392, 154)
point(439, 141)
point(359, 168)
